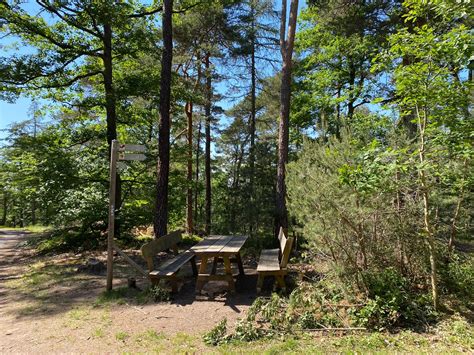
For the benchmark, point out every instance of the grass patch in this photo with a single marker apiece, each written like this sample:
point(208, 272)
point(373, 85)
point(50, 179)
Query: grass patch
point(36, 228)
point(121, 295)
point(185, 343)
point(151, 340)
point(98, 333)
point(65, 240)
point(122, 336)
point(374, 343)
point(77, 318)
point(41, 275)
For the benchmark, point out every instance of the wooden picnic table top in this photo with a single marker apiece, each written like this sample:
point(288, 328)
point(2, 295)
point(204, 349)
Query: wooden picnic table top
point(220, 244)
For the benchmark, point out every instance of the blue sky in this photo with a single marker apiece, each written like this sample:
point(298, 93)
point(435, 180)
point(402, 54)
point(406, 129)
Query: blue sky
point(18, 111)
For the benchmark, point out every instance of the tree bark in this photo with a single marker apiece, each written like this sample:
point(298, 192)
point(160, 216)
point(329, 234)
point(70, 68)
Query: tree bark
point(161, 203)
point(110, 108)
point(422, 122)
point(33, 211)
point(196, 192)
point(189, 176)
point(5, 209)
point(286, 47)
point(110, 99)
point(350, 104)
point(207, 110)
point(253, 112)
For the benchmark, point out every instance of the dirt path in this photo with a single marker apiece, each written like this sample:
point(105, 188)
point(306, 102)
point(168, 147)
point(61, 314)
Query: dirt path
point(46, 306)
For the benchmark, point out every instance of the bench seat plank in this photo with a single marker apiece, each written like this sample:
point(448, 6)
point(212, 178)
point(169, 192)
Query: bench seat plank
point(269, 260)
point(171, 266)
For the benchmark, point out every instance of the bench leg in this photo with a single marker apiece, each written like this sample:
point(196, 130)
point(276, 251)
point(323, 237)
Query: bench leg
point(155, 281)
point(214, 265)
point(260, 282)
point(239, 264)
point(193, 265)
point(281, 281)
point(228, 272)
point(174, 284)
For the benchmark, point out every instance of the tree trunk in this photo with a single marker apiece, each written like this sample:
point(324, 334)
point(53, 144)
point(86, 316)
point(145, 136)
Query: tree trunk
point(452, 235)
point(33, 211)
point(422, 121)
point(350, 104)
point(5, 209)
point(198, 153)
point(110, 99)
point(285, 97)
point(110, 108)
point(163, 166)
point(253, 112)
point(207, 110)
point(189, 176)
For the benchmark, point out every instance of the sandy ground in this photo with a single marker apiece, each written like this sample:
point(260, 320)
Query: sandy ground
point(46, 306)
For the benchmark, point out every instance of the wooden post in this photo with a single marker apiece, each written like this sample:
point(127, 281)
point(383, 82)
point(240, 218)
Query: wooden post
point(111, 230)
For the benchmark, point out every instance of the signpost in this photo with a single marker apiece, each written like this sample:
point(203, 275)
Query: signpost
point(118, 152)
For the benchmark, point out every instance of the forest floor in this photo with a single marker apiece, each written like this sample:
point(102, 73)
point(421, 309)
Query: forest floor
point(47, 306)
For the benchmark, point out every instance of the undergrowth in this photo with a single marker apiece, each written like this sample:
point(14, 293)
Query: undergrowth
point(390, 304)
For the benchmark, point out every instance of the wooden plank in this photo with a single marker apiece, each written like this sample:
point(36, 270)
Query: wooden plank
point(268, 260)
point(285, 253)
point(219, 244)
point(130, 261)
point(204, 244)
point(131, 156)
point(235, 244)
point(132, 148)
point(282, 239)
point(157, 245)
point(172, 266)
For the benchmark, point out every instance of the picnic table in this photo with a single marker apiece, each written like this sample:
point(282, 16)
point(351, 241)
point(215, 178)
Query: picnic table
point(219, 247)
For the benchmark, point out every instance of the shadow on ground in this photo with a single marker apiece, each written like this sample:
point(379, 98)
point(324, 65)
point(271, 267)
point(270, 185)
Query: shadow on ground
point(34, 286)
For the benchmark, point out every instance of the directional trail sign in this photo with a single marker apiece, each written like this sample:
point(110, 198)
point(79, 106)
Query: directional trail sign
point(118, 152)
point(136, 152)
point(131, 156)
point(139, 148)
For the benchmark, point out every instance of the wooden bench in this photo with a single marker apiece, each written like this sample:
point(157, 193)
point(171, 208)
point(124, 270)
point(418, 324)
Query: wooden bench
point(169, 269)
point(272, 262)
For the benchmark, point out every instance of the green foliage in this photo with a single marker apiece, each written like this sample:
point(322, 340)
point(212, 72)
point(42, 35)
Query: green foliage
point(246, 330)
point(458, 276)
point(217, 335)
point(159, 294)
point(392, 303)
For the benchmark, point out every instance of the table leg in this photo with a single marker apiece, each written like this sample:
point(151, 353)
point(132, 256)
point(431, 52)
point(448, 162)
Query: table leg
point(239, 264)
point(202, 270)
point(228, 272)
point(214, 265)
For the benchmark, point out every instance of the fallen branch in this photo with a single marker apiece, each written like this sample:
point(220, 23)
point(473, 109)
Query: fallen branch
point(334, 329)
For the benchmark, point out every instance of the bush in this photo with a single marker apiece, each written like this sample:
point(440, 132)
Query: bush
point(392, 302)
point(159, 294)
point(217, 335)
point(458, 276)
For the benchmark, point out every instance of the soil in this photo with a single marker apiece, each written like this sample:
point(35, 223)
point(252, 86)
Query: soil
point(47, 306)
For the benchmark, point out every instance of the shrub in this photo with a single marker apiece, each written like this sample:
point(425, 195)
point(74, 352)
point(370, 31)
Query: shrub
point(159, 294)
point(392, 302)
point(217, 335)
point(458, 276)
